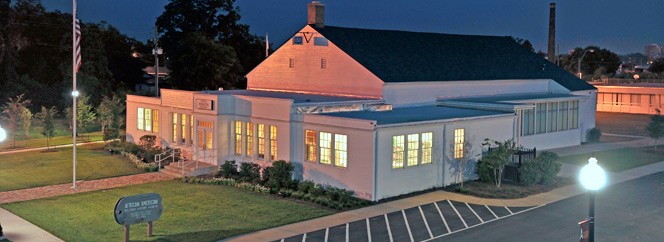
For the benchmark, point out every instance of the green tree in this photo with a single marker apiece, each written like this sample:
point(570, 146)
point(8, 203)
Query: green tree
point(500, 154)
point(592, 60)
point(657, 66)
point(217, 21)
point(524, 42)
point(84, 114)
point(14, 114)
point(46, 120)
point(201, 64)
point(111, 116)
point(656, 126)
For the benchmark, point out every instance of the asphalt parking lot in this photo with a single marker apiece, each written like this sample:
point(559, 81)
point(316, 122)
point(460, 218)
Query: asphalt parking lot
point(421, 223)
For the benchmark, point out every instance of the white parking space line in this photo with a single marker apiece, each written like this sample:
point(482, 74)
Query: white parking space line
point(522, 211)
point(282, 240)
point(508, 209)
point(368, 230)
point(347, 227)
point(327, 232)
point(407, 225)
point(389, 231)
point(457, 213)
point(471, 209)
point(304, 238)
point(425, 222)
point(494, 214)
point(443, 217)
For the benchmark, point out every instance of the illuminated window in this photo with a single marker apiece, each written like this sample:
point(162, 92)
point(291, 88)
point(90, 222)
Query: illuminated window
point(205, 124)
point(175, 127)
point(250, 139)
point(261, 141)
point(340, 150)
point(325, 148)
point(140, 122)
point(458, 143)
point(397, 151)
point(273, 142)
point(184, 128)
point(238, 137)
point(155, 121)
point(427, 143)
point(148, 119)
point(311, 145)
point(208, 139)
point(413, 149)
point(191, 128)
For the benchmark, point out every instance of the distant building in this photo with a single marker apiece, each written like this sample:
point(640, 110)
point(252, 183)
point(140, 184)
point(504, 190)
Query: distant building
point(379, 112)
point(642, 98)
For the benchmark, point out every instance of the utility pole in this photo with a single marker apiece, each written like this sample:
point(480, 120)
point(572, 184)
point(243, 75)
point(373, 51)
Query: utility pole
point(156, 51)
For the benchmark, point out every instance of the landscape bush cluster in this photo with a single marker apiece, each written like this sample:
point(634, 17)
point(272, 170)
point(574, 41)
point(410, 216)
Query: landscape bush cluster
point(141, 154)
point(277, 179)
point(541, 170)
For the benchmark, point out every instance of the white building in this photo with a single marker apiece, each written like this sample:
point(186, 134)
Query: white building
point(379, 112)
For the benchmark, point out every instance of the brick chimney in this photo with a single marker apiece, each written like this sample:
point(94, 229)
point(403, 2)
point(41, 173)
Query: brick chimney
point(316, 14)
point(551, 51)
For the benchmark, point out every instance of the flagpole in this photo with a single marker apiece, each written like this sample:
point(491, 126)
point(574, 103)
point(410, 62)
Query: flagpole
point(74, 92)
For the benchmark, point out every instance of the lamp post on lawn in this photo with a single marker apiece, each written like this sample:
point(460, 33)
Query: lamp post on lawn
point(578, 69)
point(593, 178)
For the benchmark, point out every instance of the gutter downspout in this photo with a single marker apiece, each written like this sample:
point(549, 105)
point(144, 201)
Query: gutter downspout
point(375, 165)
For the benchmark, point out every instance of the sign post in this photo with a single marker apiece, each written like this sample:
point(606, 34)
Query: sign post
point(138, 209)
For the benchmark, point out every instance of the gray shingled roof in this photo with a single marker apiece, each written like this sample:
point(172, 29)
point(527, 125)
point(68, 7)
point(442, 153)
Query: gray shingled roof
point(401, 56)
point(419, 114)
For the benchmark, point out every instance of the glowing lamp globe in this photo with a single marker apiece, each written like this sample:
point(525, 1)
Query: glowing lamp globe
point(592, 176)
point(3, 134)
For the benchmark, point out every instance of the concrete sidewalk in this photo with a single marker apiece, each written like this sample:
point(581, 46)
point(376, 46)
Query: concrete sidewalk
point(558, 194)
point(52, 147)
point(18, 229)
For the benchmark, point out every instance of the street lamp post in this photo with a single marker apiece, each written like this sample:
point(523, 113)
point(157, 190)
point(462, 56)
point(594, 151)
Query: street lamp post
point(578, 69)
point(593, 178)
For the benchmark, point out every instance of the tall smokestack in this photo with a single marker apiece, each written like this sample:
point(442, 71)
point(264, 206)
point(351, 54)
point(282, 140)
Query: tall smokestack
point(316, 14)
point(552, 33)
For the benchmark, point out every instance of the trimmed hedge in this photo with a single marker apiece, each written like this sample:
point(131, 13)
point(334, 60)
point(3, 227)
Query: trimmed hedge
point(226, 182)
point(542, 170)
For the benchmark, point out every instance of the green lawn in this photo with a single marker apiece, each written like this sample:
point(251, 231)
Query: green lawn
point(40, 168)
point(192, 212)
point(620, 159)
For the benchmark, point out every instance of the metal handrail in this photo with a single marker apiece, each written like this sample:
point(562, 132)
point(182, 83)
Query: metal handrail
point(159, 159)
point(195, 158)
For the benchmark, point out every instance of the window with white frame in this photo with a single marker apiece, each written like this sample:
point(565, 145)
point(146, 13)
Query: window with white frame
point(261, 141)
point(325, 147)
point(250, 139)
point(550, 117)
point(413, 149)
point(397, 151)
point(311, 145)
point(340, 150)
point(427, 144)
point(459, 142)
point(273, 142)
point(147, 120)
point(238, 137)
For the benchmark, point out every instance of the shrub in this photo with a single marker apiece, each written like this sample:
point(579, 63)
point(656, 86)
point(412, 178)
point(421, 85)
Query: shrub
point(550, 166)
point(594, 134)
point(485, 171)
point(279, 175)
point(228, 170)
point(147, 141)
point(530, 172)
point(249, 172)
point(542, 170)
point(306, 186)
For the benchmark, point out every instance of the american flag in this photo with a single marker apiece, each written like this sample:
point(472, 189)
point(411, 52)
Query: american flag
point(78, 45)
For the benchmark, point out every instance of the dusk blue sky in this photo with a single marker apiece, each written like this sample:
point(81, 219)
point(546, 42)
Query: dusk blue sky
point(618, 25)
